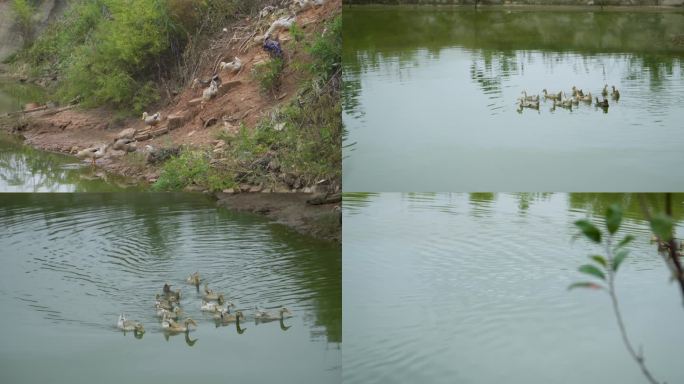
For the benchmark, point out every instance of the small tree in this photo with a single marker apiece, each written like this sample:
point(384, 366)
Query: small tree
point(23, 13)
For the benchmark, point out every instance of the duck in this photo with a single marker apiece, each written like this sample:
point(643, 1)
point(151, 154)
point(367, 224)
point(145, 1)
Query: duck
point(602, 104)
point(604, 93)
point(126, 145)
point(200, 82)
point(529, 98)
point(194, 279)
point(174, 313)
point(170, 295)
point(615, 94)
point(225, 317)
point(261, 315)
point(211, 295)
point(552, 96)
point(151, 119)
point(162, 302)
point(577, 92)
point(211, 92)
point(171, 326)
point(528, 104)
point(232, 66)
point(129, 325)
point(567, 103)
point(586, 98)
point(207, 306)
point(93, 153)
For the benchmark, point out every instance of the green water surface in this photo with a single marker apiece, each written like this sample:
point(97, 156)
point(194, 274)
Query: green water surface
point(430, 100)
point(73, 262)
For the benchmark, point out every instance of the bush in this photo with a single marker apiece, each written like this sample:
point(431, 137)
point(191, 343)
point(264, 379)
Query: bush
point(23, 13)
point(326, 50)
point(267, 74)
point(191, 168)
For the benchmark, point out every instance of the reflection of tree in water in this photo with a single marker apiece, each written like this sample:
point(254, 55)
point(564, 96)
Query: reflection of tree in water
point(598, 203)
point(525, 199)
point(354, 202)
point(402, 34)
point(490, 68)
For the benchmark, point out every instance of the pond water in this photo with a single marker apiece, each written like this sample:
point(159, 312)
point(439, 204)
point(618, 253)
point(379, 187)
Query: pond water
point(24, 169)
point(472, 288)
point(73, 262)
point(430, 100)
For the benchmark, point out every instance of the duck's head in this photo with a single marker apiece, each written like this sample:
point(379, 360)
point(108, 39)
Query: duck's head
point(221, 300)
point(144, 116)
point(189, 321)
point(239, 315)
point(139, 328)
point(284, 310)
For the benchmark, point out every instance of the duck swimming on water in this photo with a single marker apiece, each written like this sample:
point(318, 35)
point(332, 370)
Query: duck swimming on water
point(129, 325)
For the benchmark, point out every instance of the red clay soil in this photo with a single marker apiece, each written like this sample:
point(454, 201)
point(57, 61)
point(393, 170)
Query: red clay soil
point(243, 102)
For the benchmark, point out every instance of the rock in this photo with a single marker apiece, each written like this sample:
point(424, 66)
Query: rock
point(280, 188)
point(229, 191)
point(127, 133)
point(220, 144)
point(225, 87)
point(256, 188)
point(279, 127)
point(307, 190)
point(245, 187)
point(176, 120)
point(191, 133)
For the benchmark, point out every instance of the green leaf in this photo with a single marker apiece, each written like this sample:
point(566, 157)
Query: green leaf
point(619, 258)
point(599, 259)
point(585, 284)
point(625, 241)
point(592, 270)
point(589, 230)
point(613, 218)
point(661, 225)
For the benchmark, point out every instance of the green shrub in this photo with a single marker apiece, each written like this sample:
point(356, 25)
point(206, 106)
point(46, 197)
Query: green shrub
point(23, 12)
point(326, 50)
point(267, 74)
point(191, 168)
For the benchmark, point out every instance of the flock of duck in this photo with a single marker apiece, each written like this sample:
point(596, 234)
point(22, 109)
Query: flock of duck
point(561, 100)
point(170, 313)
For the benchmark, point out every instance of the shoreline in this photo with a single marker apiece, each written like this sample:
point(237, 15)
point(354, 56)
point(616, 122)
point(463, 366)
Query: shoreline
point(293, 210)
point(523, 7)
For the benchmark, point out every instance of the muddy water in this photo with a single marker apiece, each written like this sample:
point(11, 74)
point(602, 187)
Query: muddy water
point(24, 169)
point(459, 288)
point(430, 100)
point(73, 262)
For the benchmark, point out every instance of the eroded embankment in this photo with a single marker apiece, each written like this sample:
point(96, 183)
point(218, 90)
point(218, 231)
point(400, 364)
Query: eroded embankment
point(317, 217)
point(211, 126)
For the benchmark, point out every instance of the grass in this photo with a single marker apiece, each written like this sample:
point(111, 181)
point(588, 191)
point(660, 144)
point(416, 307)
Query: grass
point(190, 168)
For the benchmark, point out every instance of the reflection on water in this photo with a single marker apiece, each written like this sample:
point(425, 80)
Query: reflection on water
point(24, 169)
point(440, 87)
point(472, 288)
point(73, 262)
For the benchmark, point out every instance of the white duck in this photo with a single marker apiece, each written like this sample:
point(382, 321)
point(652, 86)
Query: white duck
point(129, 325)
point(93, 153)
point(151, 119)
point(232, 66)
